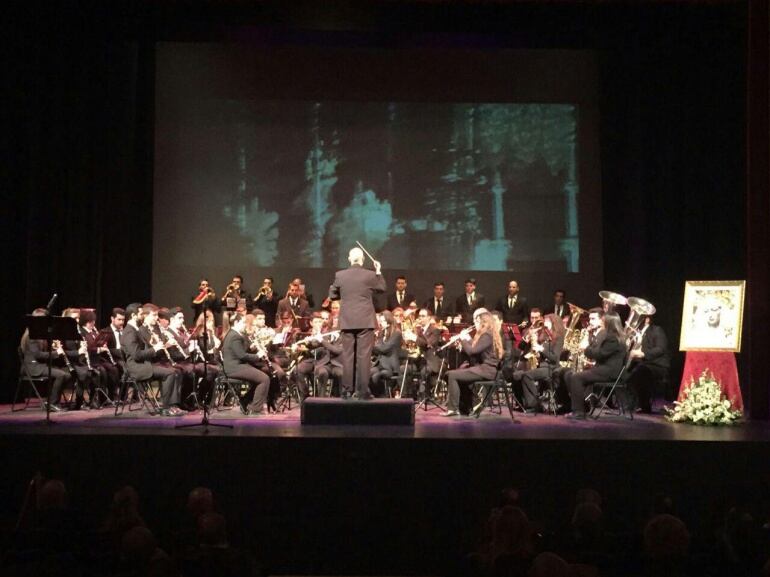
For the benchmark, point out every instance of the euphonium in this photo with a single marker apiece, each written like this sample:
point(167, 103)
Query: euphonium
point(533, 357)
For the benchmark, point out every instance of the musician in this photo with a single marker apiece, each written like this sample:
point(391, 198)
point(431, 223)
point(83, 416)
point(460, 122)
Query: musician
point(260, 338)
point(143, 355)
point(400, 297)
point(236, 363)
point(559, 306)
point(650, 363)
point(486, 351)
point(267, 301)
point(184, 354)
point(513, 306)
point(428, 340)
point(334, 315)
point(85, 379)
point(323, 360)
point(605, 344)
point(213, 343)
point(437, 305)
point(546, 342)
point(470, 301)
point(206, 298)
point(303, 294)
point(111, 336)
point(108, 372)
point(387, 348)
point(36, 355)
point(236, 296)
point(294, 304)
point(356, 287)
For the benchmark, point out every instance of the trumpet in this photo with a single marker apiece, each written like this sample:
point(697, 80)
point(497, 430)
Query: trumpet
point(456, 338)
point(265, 289)
point(230, 288)
point(202, 296)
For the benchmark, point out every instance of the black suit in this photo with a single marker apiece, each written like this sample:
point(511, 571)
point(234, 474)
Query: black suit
point(236, 363)
point(549, 362)
point(440, 310)
point(356, 287)
point(388, 361)
point(269, 306)
point(464, 309)
point(393, 300)
point(513, 314)
point(300, 308)
point(143, 364)
point(647, 372)
point(609, 354)
point(563, 310)
point(484, 359)
point(325, 362)
point(36, 362)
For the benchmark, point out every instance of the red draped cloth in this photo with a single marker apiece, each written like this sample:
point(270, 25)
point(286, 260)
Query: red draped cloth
point(723, 367)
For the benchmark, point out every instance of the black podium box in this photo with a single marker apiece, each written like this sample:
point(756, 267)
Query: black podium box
point(319, 411)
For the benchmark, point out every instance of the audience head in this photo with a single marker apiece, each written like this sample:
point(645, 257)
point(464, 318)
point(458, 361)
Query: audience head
point(549, 565)
point(666, 539)
point(200, 500)
point(52, 496)
point(212, 529)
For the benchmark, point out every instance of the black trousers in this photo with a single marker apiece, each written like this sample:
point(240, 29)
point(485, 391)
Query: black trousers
point(642, 382)
point(529, 380)
point(259, 384)
point(577, 383)
point(170, 384)
point(460, 397)
point(356, 357)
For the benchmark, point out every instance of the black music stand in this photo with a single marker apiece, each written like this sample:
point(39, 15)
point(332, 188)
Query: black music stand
point(49, 329)
point(205, 423)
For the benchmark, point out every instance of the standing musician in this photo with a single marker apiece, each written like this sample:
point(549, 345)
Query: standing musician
point(437, 305)
point(486, 351)
point(428, 340)
point(513, 306)
point(356, 287)
point(267, 301)
point(236, 296)
point(303, 294)
point(387, 348)
point(468, 302)
point(559, 306)
point(105, 366)
point(293, 304)
point(206, 298)
point(604, 343)
point(546, 341)
point(323, 352)
point(143, 353)
point(36, 355)
point(399, 297)
point(649, 363)
point(237, 364)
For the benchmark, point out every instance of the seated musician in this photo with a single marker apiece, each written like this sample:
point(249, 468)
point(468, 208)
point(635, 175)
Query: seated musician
point(183, 352)
point(36, 355)
point(237, 364)
point(604, 343)
point(428, 340)
point(260, 338)
point(212, 342)
point(144, 352)
point(485, 349)
point(110, 335)
point(321, 359)
point(649, 364)
point(544, 345)
point(86, 377)
point(105, 366)
point(387, 347)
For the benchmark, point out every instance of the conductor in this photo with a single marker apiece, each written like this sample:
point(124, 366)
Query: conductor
point(355, 287)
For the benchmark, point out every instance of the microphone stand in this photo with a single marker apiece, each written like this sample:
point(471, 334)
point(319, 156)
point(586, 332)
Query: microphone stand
point(205, 423)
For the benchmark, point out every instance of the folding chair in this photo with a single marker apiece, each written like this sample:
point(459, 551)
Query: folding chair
point(147, 398)
point(603, 391)
point(496, 386)
point(225, 386)
point(33, 382)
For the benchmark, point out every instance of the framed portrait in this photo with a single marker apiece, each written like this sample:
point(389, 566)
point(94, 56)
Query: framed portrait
point(712, 317)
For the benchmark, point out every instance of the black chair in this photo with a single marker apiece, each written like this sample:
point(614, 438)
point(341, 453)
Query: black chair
point(496, 387)
point(147, 398)
point(602, 392)
point(225, 386)
point(33, 382)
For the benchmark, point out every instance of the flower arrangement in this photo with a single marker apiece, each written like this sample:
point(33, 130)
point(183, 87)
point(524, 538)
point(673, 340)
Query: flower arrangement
point(704, 404)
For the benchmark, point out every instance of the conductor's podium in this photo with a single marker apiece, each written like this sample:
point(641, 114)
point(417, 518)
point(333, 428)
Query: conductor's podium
point(322, 411)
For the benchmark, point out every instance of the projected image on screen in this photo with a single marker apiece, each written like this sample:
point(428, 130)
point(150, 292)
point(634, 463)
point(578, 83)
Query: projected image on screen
point(464, 186)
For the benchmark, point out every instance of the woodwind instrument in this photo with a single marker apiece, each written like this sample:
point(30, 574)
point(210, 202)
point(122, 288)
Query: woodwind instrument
point(57, 346)
point(86, 355)
point(171, 340)
point(456, 338)
point(156, 339)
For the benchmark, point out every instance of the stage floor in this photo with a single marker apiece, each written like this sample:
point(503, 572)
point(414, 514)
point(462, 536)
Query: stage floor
point(428, 425)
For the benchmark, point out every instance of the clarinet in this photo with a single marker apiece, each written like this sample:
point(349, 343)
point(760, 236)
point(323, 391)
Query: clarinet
point(154, 339)
point(174, 343)
point(86, 355)
point(67, 362)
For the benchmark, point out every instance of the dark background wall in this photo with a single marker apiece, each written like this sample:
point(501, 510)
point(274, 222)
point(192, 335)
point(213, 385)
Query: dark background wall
point(675, 79)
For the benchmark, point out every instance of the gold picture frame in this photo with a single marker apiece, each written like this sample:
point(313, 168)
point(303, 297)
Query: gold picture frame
point(712, 315)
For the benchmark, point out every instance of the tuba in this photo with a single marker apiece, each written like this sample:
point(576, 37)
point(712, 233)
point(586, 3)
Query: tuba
point(639, 309)
point(573, 336)
point(610, 300)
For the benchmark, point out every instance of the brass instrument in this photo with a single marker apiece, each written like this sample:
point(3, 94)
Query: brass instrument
point(409, 336)
point(610, 300)
point(639, 309)
point(573, 336)
point(202, 296)
point(533, 357)
point(265, 289)
point(57, 346)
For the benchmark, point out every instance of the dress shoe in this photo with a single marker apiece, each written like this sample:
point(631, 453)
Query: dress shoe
point(54, 408)
point(363, 397)
point(176, 412)
point(256, 413)
point(165, 413)
point(345, 396)
point(450, 414)
point(577, 416)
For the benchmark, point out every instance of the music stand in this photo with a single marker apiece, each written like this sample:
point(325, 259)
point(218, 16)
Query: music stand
point(205, 423)
point(49, 329)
